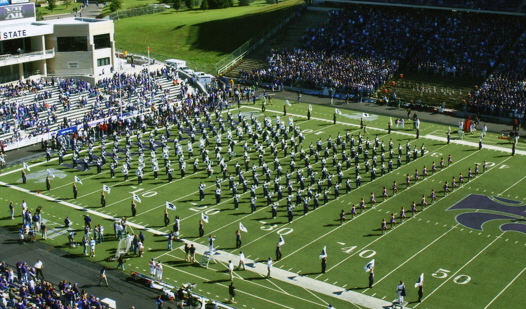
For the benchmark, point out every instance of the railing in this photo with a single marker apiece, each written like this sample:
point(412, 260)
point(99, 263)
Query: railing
point(150, 9)
point(237, 55)
point(10, 59)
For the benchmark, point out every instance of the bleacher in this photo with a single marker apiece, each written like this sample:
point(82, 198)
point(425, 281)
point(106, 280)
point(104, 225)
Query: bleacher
point(75, 115)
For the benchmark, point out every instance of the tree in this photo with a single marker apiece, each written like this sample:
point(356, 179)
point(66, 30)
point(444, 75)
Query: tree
point(115, 5)
point(189, 4)
point(67, 3)
point(204, 5)
point(177, 5)
point(51, 5)
point(244, 2)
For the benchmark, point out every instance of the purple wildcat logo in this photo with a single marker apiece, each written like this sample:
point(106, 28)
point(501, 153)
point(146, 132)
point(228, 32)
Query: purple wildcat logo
point(489, 209)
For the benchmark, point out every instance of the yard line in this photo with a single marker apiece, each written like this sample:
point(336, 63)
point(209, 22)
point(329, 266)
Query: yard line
point(310, 292)
point(280, 290)
point(398, 194)
point(505, 288)
point(513, 185)
point(453, 275)
point(407, 260)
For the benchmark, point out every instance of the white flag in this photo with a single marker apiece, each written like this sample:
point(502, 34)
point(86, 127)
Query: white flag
point(369, 266)
point(288, 103)
point(105, 188)
point(242, 227)
point(420, 281)
point(391, 120)
point(337, 111)
point(26, 166)
point(204, 217)
point(323, 252)
point(49, 173)
point(77, 179)
point(310, 107)
point(136, 198)
point(365, 115)
point(281, 241)
point(170, 206)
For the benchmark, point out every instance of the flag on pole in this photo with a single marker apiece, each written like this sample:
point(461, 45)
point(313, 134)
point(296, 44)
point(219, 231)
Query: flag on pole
point(365, 115)
point(26, 166)
point(391, 120)
point(242, 227)
point(420, 281)
point(77, 179)
point(204, 217)
point(449, 129)
point(281, 241)
point(310, 107)
point(337, 111)
point(50, 174)
point(149, 49)
point(323, 252)
point(170, 206)
point(369, 266)
point(105, 188)
point(288, 103)
point(136, 198)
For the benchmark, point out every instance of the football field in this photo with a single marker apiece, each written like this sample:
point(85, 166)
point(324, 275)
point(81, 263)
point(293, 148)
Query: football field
point(468, 240)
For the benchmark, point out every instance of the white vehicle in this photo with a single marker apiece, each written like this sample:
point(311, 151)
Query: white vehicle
point(175, 63)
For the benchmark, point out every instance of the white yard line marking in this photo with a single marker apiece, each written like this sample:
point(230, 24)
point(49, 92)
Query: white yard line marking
point(505, 288)
point(407, 260)
point(460, 269)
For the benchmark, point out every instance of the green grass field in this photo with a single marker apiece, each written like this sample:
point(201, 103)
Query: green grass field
point(200, 37)
point(463, 267)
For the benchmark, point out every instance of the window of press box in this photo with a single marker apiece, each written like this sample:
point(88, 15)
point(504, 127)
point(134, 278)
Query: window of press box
point(102, 41)
point(72, 44)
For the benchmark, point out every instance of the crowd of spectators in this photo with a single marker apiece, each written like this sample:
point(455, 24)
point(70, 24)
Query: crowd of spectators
point(359, 49)
point(503, 94)
point(20, 288)
point(489, 5)
point(33, 106)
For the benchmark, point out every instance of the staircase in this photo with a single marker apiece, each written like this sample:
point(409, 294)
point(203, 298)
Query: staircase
point(290, 37)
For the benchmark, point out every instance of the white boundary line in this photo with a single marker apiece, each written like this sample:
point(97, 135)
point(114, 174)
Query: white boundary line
point(454, 274)
point(505, 288)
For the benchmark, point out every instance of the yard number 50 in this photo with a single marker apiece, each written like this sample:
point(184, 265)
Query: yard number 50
point(444, 273)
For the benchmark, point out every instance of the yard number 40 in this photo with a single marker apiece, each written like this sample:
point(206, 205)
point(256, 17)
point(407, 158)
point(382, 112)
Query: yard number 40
point(444, 273)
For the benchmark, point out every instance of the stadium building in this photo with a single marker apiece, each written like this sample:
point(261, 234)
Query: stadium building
point(61, 47)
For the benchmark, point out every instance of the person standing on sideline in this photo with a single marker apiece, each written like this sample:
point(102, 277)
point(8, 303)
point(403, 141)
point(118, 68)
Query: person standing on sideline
point(232, 292)
point(38, 269)
point(371, 277)
point(278, 251)
point(120, 261)
point(159, 302)
point(152, 268)
point(103, 199)
point(400, 290)
point(269, 267)
point(75, 191)
point(231, 270)
point(238, 239)
point(133, 208)
point(159, 271)
point(192, 253)
point(420, 291)
point(323, 264)
point(103, 277)
point(211, 244)
point(241, 260)
point(334, 119)
point(12, 210)
point(48, 183)
point(92, 243)
point(201, 228)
